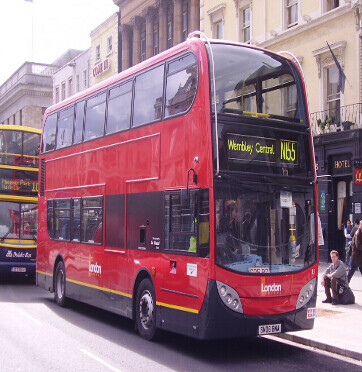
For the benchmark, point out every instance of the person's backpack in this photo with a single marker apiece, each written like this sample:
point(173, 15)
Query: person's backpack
point(345, 295)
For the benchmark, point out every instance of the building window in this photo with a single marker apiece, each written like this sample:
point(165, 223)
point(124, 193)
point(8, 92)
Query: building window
point(70, 86)
point(57, 98)
point(143, 45)
point(85, 79)
point(169, 30)
point(98, 53)
point(185, 17)
point(218, 30)
point(77, 82)
point(330, 5)
point(217, 19)
point(291, 13)
point(63, 90)
point(245, 15)
point(109, 45)
point(333, 93)
point(155, 39)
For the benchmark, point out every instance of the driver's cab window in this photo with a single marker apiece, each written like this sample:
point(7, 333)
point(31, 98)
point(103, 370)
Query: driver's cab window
point(187, 226)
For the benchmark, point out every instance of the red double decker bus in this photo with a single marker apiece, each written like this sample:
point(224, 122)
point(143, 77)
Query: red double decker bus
point(181, 193)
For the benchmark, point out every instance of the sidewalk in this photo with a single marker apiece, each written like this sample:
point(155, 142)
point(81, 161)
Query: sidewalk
point(337, 329)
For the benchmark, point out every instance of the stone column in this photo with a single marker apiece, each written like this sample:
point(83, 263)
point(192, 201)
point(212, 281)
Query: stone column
point(137, 26)
point(149, 16)
point(126, 33)
point(194, 15)
point(162, 24)
point(177, 21)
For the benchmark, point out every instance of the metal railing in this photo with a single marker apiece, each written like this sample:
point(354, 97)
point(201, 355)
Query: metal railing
point(344, 118)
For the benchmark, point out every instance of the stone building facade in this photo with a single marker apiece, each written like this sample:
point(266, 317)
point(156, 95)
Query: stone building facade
point(152, 26)
point(72, 77)
point(26, 94)
point(104, 50)
point(303, 27)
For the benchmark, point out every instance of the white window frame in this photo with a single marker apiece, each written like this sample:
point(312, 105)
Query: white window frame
point(327, 5)
point(77, 82)
point(217, 20)
point(70, 86)
point(63, 90)
point(109, 45)
point(98, 53)
point(241, 6)
point(85, 79)
point(288, 4)
point(324, 61)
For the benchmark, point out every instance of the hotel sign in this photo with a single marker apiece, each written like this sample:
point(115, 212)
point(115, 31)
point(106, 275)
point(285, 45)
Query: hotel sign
point(341, 164)
point(101, 67)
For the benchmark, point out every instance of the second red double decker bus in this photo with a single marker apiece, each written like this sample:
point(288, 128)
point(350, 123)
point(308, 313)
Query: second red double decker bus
point(181, 194)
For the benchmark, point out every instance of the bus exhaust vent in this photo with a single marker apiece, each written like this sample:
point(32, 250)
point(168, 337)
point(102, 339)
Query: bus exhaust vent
point(42, 177)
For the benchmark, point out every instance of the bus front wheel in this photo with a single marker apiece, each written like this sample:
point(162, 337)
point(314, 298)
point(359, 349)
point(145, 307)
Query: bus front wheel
point(146, 310)
point(59, 284)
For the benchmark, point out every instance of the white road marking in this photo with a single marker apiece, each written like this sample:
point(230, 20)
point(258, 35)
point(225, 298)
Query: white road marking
point(28, 316)
point(99, 360)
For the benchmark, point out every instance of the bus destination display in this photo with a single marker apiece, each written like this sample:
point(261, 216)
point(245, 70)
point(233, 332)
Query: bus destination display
point(254, 149)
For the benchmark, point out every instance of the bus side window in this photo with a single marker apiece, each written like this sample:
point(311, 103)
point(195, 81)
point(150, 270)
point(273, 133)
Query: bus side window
point(95, 117)
point(65, 128)
point(148, 96)
point(92, 217)
point(119, 108)
point(78, 122)
point(50, 128)
point(50, 218)
point(181, 85)
point(62, 219)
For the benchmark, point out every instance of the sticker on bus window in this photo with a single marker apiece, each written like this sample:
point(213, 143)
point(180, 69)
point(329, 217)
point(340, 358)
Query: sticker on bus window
point(191, 269)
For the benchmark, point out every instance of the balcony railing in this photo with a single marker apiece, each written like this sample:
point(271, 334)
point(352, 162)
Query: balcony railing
point(345, 118)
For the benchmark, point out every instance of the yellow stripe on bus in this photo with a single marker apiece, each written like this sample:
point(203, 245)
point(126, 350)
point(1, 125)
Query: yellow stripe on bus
point(26, 199)
point(175, 307)
point(16, 167)
point(100, 288)
point(44, 273)
point(187, 309)
point(18, 246)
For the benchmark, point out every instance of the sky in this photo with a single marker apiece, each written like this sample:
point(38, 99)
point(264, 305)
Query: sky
point(42, 30)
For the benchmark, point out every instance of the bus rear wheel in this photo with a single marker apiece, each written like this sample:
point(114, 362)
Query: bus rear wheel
point(59, 284)
point(146, 310)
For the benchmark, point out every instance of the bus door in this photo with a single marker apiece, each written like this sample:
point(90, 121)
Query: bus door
point(184, 269)
point(116, 273)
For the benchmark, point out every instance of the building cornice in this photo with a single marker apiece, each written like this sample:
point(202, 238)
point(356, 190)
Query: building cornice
point(307, 26)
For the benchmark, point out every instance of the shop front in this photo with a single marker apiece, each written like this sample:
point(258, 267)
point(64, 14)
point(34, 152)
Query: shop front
point(339, 169)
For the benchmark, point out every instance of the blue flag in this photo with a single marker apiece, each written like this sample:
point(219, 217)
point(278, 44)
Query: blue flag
point(341, 76)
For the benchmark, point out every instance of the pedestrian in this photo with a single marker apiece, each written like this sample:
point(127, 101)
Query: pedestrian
point(355, 227)
point(335, 274)
point(347, 234)
point(356, 258)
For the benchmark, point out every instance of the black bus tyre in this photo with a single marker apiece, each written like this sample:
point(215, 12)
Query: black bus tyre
point(146, 310)
point(59, 284)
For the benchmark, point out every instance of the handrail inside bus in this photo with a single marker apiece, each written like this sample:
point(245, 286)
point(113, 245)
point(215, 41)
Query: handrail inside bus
point(201, 34)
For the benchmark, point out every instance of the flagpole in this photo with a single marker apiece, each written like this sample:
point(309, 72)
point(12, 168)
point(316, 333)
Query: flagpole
point(32, 28)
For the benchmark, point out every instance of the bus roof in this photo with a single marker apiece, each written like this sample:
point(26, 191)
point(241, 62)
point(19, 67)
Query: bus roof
point(21, 128)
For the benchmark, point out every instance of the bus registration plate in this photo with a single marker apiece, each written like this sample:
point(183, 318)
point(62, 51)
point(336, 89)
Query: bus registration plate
point(270, 328)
